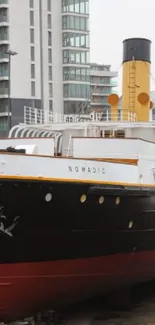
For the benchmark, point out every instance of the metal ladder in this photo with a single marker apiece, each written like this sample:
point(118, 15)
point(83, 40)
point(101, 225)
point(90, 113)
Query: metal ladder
point(132, 85)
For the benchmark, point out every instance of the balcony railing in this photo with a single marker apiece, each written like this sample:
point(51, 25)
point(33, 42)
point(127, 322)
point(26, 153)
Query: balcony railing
point(3, 56)
point(4, 73)
point(114, 83)
point(4, 37)
point(3, 91)
point(3, 2)
point(3, 19)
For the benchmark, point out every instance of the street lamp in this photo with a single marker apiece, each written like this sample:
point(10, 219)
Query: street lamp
point(10, 54)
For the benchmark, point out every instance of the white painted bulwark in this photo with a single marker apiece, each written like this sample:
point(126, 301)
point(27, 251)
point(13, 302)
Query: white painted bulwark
point(112, 148)
point(146, 169)
point(66, 169)
point(45, 146)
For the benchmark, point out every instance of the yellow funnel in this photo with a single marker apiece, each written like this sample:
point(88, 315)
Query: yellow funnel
point(136, 78)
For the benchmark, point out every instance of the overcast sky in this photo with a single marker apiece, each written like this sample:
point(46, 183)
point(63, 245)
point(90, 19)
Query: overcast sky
point(111, 21)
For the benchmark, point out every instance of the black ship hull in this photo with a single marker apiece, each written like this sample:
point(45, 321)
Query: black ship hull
point(63, 241)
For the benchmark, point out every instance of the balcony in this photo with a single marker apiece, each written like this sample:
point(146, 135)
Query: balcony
point(103, 73)
point(100, 103)
point(4, 39)
point(3, 58)
point(4, 4)
point(113, 83)
point(101, 94)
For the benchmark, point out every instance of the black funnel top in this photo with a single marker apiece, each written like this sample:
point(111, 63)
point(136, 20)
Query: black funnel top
point(137, 48)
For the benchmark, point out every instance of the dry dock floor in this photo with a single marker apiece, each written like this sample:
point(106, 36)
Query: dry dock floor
point(141, 311)
point(138, 310)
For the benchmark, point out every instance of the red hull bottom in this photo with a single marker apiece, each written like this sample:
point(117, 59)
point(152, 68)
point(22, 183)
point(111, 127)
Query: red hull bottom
point(31, 287)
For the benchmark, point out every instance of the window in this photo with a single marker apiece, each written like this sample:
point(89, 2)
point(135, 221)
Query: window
point(3, 15)
point(49, 38)
point(4, 35)
point(119, 134)
point(32, 71)
point(75, 23)
point(75, 57)
point(4, 72)
point(32, 53)
point(50, 105)
point(31, 18)
point(49, 21)
point(3, 50)
point(50, 72)
point(75, 40)
point(50, 90)
point(31, 3)
point(49, 55)
point(33, 89)
point(48, 5)
point(81, 6)
point(77, 91)
point(3, 87)
point(32, 35)
point(3, 124)
point(3, 105)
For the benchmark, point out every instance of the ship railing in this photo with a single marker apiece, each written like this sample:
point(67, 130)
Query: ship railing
point(34, 116)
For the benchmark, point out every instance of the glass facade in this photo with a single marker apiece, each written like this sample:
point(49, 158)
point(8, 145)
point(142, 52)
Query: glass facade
point(3, 50)
point(75, 23)
point(76, 74)
point(101, 86)
point(75, 40)
point(3, 15)
point(100, 80)
point(3, 105)
point(77, 91)
point(101, 90)
point(3, 88)
point(4, 35)
point(3, 2)
point(4, 71)
point(76, 6)
point(75, 57)
point(76, 54)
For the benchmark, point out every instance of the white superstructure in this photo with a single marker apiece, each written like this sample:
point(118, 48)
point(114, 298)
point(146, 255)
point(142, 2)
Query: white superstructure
point(96, 152)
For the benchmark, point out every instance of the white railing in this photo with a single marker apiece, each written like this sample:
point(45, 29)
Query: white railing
point(33, 115)
point(37, 116)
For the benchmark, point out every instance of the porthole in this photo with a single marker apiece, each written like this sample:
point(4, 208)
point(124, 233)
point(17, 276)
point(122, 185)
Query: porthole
point(118, 200)
point(48, 197)
point(83, 198)
point(101, 200)
point(130, 224)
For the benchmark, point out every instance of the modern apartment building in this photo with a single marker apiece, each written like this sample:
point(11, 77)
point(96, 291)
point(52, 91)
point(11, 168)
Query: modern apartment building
point(102, 85)
point(51, 68)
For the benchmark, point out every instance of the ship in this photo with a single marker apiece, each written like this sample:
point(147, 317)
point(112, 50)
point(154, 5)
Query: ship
point(77, 200)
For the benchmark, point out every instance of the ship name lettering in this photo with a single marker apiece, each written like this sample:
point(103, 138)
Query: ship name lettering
point(89, 170)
